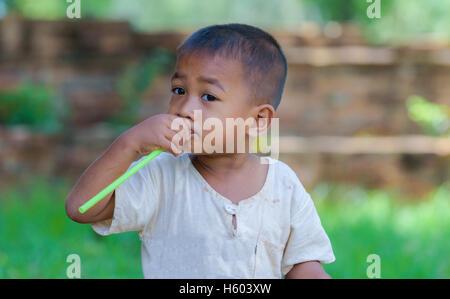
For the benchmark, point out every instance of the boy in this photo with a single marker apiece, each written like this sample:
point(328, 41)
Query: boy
point(210, 215)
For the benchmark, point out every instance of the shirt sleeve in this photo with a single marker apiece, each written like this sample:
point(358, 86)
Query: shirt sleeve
point(308, 240)
point(135, 204)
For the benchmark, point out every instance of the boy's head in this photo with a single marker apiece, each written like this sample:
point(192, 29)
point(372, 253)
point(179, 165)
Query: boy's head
point(228, 71)
point(260, 55)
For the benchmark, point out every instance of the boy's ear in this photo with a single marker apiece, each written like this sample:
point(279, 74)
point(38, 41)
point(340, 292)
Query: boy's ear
point(263, 115)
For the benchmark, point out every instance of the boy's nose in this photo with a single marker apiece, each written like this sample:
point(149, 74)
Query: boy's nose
point(183, 115)
point(187, 108)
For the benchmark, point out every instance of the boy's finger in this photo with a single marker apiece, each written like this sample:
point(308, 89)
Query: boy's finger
point(166, 146)
point(171, 146)
point(176, 137)
point(179, 124)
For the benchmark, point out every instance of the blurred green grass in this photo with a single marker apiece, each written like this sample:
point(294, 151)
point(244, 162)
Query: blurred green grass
point(411, 236)
point(36, 237)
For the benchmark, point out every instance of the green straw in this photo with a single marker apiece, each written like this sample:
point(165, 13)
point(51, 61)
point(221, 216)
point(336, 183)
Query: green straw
point(94, 200)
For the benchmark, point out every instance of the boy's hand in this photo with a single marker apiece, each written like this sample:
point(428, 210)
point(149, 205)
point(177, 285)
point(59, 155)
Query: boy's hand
point(154, 133)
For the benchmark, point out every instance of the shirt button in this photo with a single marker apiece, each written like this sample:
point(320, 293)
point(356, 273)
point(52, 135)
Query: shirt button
point(230, 208)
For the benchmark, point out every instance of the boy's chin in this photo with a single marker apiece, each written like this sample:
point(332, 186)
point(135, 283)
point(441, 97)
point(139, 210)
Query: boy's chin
point(214, 153)
point(201, 150)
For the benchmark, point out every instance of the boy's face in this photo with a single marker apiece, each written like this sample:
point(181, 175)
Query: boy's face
point(214, 85)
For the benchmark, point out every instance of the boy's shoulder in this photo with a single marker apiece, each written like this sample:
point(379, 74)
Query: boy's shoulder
point(285, 177)
point(283, 171)
point(163, 159)
point(165, 164)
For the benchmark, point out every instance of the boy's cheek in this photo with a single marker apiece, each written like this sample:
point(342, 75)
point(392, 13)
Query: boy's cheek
point(206, 141)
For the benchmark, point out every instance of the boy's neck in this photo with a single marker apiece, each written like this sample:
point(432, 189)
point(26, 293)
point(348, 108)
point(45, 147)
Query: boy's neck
point(224, 164)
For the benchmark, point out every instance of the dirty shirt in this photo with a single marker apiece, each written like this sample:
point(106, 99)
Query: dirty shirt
point(187, 230)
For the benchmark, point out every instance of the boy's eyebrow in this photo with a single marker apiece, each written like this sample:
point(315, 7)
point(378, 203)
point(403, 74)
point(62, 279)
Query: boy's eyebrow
point(177, 76)
point(211, 81)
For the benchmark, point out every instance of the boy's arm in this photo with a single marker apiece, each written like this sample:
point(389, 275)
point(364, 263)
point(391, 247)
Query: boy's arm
point(311, 270)
point(153, 133)
point(102, 172)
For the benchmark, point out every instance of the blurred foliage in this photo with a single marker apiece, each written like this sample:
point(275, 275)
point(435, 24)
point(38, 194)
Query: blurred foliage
point(433, 118)
point(344, 10)
point(55, 9)
point(32, 105)
point(401, 20)
point(410, 21)
point(36, 237)
point(409, 234)
point(135, 81)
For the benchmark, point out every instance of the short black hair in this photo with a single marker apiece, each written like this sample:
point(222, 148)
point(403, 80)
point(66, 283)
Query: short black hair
point(260, 54)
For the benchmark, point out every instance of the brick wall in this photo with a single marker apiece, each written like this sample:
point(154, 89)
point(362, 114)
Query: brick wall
point(335, 87)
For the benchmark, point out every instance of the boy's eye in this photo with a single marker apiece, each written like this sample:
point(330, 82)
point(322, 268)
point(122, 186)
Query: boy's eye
point(209, 97)
point(178, 90)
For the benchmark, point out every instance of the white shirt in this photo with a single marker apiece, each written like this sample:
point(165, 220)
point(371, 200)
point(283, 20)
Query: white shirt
point(186, 226)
